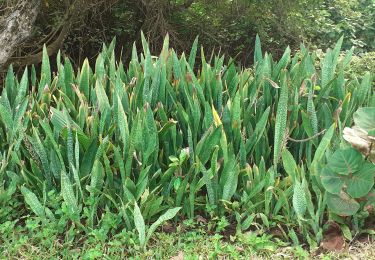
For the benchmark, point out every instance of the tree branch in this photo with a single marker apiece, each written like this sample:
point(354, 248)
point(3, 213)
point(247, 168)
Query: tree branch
point(307, 139)
point(16, 27)
point(36, 58)
point(76, 10)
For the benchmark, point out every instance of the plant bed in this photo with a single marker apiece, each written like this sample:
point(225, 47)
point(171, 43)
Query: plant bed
point(113, 149)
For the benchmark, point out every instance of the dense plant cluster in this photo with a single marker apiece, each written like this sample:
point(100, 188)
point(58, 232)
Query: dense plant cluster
point(114, 148)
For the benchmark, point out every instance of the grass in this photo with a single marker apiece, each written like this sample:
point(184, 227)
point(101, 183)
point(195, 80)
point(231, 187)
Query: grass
point(187, 240)
point(190, 245)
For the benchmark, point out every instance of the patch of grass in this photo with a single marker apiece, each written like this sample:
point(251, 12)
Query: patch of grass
point(188, 241)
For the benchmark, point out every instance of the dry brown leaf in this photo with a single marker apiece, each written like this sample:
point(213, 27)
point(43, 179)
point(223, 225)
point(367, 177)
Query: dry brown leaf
point(201, 219)
point(168, 228)
point(333, 239)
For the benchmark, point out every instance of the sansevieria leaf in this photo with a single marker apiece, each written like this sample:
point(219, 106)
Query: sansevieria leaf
point(68, 193)
point(299, 200)
point(169, 214)
point(33, 201)
point(289, 164)
point(258, 50)
point(281, 119)
point(139, 225)
point(46, 67)
point(84, 80)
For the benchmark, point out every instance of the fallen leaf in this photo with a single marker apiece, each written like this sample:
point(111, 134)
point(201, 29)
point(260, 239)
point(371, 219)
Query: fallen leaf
point(201, 219)
point(169, 228)
point(276, 232)
point(333, 240)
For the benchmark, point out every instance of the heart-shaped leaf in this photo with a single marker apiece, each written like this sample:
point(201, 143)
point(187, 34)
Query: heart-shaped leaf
point(360, 183)
point(342, 204)
point(364, 118)
point(332, 181)
point(345, 161)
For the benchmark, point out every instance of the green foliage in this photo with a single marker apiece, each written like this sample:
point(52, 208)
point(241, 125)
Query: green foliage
point(354, 19)
point(363, 63)
point(110, 148)
point(348, 176)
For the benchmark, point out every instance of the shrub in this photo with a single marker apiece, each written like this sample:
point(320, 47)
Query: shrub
point(361, 64)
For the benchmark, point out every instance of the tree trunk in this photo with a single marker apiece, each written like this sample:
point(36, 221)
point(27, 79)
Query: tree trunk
point(16, 27)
